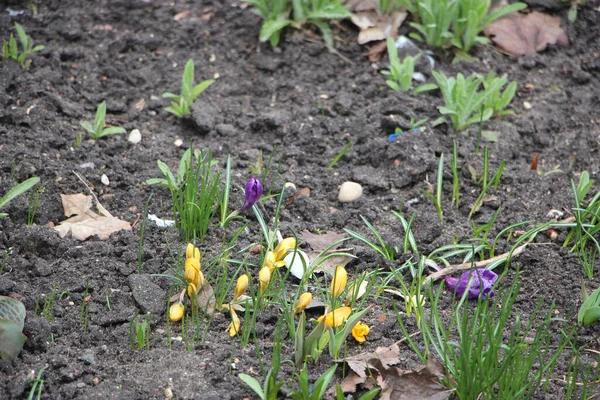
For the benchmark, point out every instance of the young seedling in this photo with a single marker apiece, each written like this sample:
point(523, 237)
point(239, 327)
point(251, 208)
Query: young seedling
point(99, 129)
point(316, 391)
point(34, 204)
point(180, 105)
point(276, 15)
point(437, 199)
point(17, 191)
point(10, 49)
point(455, 177)
point(498, 100)
point(340, 154)
point(400, 75)
point(463, 100)
point(384, 249)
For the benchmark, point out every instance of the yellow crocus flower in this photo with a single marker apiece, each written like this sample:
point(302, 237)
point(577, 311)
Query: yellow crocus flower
point(360, 332)
point(234, 325)
point(338, 283)
point(303, 301)
point(189, 251)
point(241, 286)
point(336, 317)
point(176, 311)
point(264, 277)
point(284, 247)
point(272, 262)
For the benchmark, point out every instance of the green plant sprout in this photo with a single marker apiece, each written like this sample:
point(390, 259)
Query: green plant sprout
point(99, 129)
point(17, 191)
point(437, 199)
point(382, 248)
point(455, 176)
point(484, 355)
point(180, 104)
point(457, 23)
point(10, 49)
point(34, 204)
point(37, 384)
point(589, 312)
point(400, 75)
point(276, 16)
point(586, 226)
point(573, 9)
point(463, 100)
point(498, 100)
point(340, 154)
point(316, 391)
point(139, 332)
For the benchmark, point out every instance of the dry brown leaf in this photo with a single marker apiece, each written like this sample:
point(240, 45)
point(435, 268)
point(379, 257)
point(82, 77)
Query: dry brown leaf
point(522, 34)
point(319, 242)
point(329, 265)
point(385, 356)
point(303, 193)
point(84, 223)
point(206, 299)
point(377, 51)
point(420, 384)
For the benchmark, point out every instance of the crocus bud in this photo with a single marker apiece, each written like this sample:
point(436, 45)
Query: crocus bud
point(303, 301)
point(254, 190)
point(264, 277)
point(189, 251)
point(336, 317)
point(284, 247)
point(176, 311)
point(360, 332)
point(241, 286)
point(483, 281)
point(234, 325)
point(338, 283)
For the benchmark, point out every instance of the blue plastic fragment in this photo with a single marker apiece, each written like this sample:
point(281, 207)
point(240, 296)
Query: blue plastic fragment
point(394, 135)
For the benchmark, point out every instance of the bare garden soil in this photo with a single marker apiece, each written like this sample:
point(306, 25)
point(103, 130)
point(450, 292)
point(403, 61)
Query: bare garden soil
point(299, 101)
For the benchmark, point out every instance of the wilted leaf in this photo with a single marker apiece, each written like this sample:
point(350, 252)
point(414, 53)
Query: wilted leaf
point(303, 193)
point(11, 340)
point(419, 384)
point(385, 356)
point(523, 34)
point(12, 310)
point(84, 223)
point(206, 299)
point(320, 242)
point(331, 262)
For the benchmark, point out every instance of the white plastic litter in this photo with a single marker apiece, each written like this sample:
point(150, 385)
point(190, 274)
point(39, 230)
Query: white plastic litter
point(161, 223)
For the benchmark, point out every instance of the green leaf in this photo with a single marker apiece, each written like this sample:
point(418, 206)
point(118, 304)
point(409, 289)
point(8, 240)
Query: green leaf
point(17, 191)
point(201, 87)
point(164, 168)
point(88, 127)
point(37, 48)
point(331, 12)
point(370, 395)
point(592, 301)
point(591, 315)
point(501, 13)
point(100, 117)
point(322, 383)
point(253, 383)
point(157, 181)
point(113, 130)
point(22, 37)
point(11, 340)
point(425, 88)
point(187, 82)
point(393, 85)
point(12, 310)
point(169, 95)
point(269, 28)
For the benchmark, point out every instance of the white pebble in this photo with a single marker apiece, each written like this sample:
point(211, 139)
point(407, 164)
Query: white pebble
point(135, 136)
point(349, 191)
point(527, 105)
point(178, 143)
point(104, 180)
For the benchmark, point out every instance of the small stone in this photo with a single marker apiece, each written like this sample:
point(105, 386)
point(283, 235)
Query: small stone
point(349, 191)
point(147, 294)
point(96, 380)
point(178, 142)
point(168, 393)
point(88, 358)
point(104, 180)
point(135, 136)
point(290, 186)
point(527, 105)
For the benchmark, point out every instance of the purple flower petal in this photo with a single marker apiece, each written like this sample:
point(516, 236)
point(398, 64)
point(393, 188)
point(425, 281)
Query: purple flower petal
point(254, 190)
point(483, 281)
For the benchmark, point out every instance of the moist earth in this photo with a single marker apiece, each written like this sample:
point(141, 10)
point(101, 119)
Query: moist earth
point(302, 104)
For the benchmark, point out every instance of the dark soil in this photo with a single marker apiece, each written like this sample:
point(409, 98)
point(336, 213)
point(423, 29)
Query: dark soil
point(299, 101)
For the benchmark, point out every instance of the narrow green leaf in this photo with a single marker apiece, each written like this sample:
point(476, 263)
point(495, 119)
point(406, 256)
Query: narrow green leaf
point(253, 383)
point(17, 191)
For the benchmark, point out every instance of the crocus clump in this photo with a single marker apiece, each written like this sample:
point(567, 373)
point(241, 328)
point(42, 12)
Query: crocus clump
point(360, 332)
point(254, 190)
point(482, 282)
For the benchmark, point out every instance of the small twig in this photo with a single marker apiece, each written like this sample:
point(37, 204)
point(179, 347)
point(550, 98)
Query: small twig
point(99, 205)
point(479, 264)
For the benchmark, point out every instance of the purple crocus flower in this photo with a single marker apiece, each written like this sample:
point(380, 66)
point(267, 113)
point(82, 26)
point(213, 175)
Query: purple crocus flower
point(483, 280)
point(254, 190)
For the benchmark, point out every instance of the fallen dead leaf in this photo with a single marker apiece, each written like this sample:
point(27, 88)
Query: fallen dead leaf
point(85, 223)
point(319, 242)
point(329, 265)
point(206, 299)
point(419, 384)
point(386, 356)
point(303, 193)
point(522, 34)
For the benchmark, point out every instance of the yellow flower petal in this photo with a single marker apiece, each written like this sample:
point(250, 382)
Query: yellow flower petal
point(360, 332)
point(191, 274)
point(234, 325)
point(176, 311)
point(192, 263)
point(192, 290)
point(284, 247)
point(338, 283)
point(189, 251)
point(241, 286)
point(336, 317)
point(270, 260)
point(264, 277)
point(197, 254)
point(303, 301)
